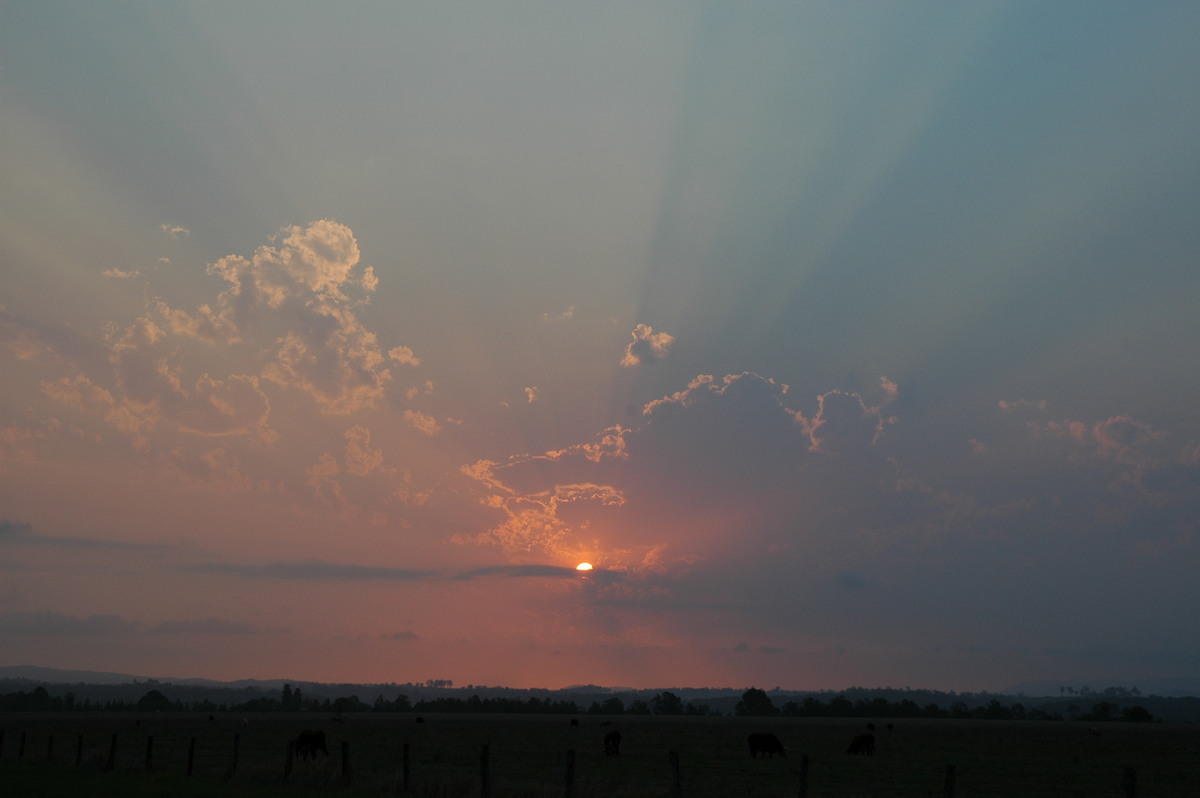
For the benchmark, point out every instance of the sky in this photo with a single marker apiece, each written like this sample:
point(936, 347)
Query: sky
point(851, 343)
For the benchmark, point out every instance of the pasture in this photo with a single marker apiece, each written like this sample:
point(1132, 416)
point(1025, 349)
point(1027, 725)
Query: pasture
point(531, 755)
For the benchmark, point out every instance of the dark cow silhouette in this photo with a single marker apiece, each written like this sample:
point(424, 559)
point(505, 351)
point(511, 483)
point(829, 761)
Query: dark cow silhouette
point(862, 744)
point(574, 721)
point(612, 743)
point(765, 743)
point(309, 743)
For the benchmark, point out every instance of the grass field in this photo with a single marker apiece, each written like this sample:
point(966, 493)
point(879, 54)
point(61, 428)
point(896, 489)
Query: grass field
point(528, 756)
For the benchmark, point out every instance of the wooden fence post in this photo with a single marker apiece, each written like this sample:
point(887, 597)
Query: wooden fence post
point(237, 744)
point(112, 755)
point(149, 750)
point(948, 791)
point(802, 792)
point(289, 759)
point(50, 748)
point(1129, 782)
point(347, 771)
point(1, 742)
point(485, 776)
point(191, 755)
point(78, 749)
point(404, 772)
point(676, 784)
point(21, 748)
point(569, 787)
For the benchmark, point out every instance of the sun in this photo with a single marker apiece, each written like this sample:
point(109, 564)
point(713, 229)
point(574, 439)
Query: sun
point(583, 566)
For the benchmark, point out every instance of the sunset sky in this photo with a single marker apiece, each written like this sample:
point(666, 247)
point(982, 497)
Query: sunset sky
point(852, 343)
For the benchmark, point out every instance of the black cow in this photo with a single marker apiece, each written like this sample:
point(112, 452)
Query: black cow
point(309, 743)
point(862, 744)
point(765, 743)
point(612, 743)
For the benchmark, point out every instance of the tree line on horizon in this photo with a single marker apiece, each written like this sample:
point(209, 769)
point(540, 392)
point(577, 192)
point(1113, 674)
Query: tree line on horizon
point(754, 702)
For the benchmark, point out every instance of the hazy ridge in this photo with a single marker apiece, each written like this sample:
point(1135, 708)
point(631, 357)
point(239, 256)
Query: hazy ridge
point(1173, 699)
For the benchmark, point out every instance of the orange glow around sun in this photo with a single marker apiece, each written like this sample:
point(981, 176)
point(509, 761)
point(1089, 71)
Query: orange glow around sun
point(583, 566)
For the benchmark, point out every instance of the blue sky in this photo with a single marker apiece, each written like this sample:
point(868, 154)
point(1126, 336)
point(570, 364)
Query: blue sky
point(851, 343)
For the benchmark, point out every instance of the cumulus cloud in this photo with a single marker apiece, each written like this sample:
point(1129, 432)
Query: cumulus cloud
point(361, 459)
point(404, 356)
point(647, 346)
point(551, 318)
point(844, 421)
point(174, 230)
point(309, 280)
point(322, 479)
point(152, 388)
point(534, 522)
point(18, 338)
point(302, 292)
point(719, 478)
point(422, 422)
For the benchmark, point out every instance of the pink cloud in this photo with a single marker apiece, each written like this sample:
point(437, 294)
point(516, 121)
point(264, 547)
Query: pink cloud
point(647, 346)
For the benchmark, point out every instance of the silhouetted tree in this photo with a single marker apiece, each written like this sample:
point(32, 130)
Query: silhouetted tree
point(638, 707)
point(667, 703)
point(153, 701)
point(293, 700)
point(755, 702)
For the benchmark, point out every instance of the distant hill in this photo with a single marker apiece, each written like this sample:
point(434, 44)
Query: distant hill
point(34, 673)
point(1169, 699)
point(1181, 687)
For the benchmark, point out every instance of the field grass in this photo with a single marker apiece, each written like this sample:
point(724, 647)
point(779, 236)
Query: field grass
point(528, 757)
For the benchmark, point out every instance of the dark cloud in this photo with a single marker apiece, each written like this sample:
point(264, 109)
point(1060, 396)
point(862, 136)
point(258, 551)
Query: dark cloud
point(322, 570)
point(400, 637)
point(537, 571)
point(207, 626)
point(58, 624)
point(312, 570)
point(15, 528)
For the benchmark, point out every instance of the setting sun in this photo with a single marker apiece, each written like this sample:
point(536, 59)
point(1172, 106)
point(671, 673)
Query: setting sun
point(583, 566)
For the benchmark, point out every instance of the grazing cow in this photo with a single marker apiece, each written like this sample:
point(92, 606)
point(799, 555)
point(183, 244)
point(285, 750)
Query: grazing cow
point(765, 743)
point(862, 744)
point(309, 743)
point(612, 743)
point(574, 721)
